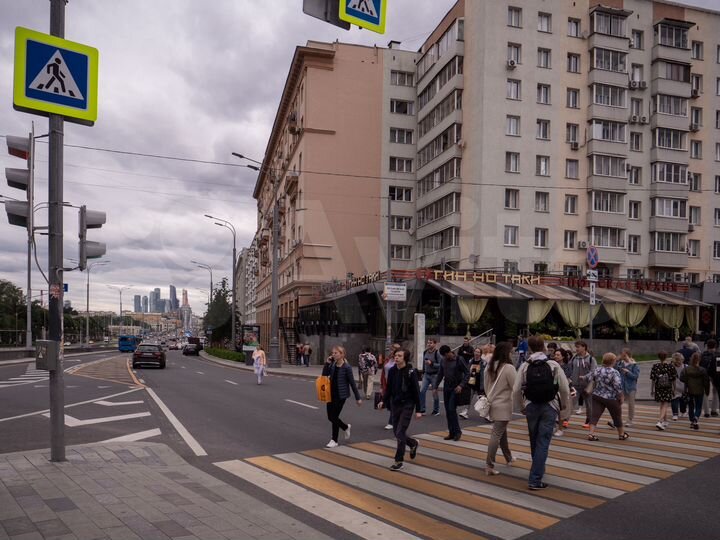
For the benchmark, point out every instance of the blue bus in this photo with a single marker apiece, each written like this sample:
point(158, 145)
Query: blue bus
point(127, 343)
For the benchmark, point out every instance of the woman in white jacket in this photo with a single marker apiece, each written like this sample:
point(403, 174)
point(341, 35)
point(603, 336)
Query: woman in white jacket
point(499, 381)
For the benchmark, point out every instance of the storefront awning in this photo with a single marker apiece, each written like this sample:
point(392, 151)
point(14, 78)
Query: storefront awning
point(670, 299)
point(472, 289)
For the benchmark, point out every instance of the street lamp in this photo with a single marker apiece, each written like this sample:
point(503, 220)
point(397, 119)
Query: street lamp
point(274, 352)
point(209, 269)
point(120, 290)
point(229, 226)
point(87, 299)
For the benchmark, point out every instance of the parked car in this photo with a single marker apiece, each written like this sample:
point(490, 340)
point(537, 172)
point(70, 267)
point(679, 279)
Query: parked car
point(191, 349)
point(147, 353)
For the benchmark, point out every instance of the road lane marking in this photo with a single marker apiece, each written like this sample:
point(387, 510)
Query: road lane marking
point(184, 433)
point(231, 382)
point(133, 437)
point(35, 413)
point(118, 403)
point(199, 373)
point(71, 421)
point(303, 404)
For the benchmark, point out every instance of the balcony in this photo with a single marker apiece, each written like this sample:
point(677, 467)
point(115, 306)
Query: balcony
point(672, 54)
point(602, 76)
point(667, 189)
point(669, 87)
point(667, 154)
point(612, 255)
point(605, 41)
point(598, 146)
point(669, 121)
point(605, 112)
point(668, 224)
point(607, 183)
point(668, 259)
point(605, 219)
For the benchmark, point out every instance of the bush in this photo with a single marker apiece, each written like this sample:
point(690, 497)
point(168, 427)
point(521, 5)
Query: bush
point(226, 355)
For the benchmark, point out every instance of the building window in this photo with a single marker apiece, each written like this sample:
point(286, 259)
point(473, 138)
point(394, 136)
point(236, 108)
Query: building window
point(543, 129)
point(515, 52)
point(511, 235)
point(612, 96)
point(634, 244)
point(571, 204)
point(716, 221)
point(515, 17)
point(673, 105)
point(542, 165)
point(512, 199)
point(608, 201)
point(512, 126)
point(695, 182)
point(717, 151)
point(444, 239)
point(570, 239)
point(605, 23)
point(404, 165)
point(696, 116)
point(399, 106)
point(572, 169)
point(544, 58)
point(694, 215)
point(609, 60)
point(635, 176)
point(544, 22)
point(636, 107)
point(402, 78)
point(451, 103)
point(671, 208)
point(717, 184)
point(608, 165)
point(606, 130)
point(402, 136)
point(572, 132)
point(717, 86)
point(716, 250)
point(542, 201)
point(717, 119)
point(696, 149)
point(449, 204)
point(541, 238)
point(696, 83)
point(636, 141)
point(573, 98)
point(573, 63)
point(693, 248)
point(400, 252)
point(402, 194)
point(696, 50)
point(512, 162)
point(673, 139)
point(510, 267)
point(543, 94)
point(673, 36)
point(674, 71)
point(571, 270)
point(634, 210)
point(607, 237)
point(634, 273)
point(401, 223)
point(668, 242)
point(673, 173)
point(447, 172)
point(636, 73)
point(513, 89)
point(540, 268)
point(637, 39)
point(574, 28)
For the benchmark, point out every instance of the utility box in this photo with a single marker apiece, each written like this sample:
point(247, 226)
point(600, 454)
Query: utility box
point(46, 354)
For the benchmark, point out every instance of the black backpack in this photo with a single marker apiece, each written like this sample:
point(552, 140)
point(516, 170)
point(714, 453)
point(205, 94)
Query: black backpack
point(540, 386)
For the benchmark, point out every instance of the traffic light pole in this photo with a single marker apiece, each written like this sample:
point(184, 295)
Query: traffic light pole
point(55, 222)
point(31, 224)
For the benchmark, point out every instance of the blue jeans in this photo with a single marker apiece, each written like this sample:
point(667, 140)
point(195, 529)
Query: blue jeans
point(449, 397)
point(695, 407)
point(541, 420)
point(428, 381)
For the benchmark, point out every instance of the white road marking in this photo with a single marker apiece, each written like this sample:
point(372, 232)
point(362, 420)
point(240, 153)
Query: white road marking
point(199, 373)
point(231, 382)
point(132, 437)
point(183, 367)
point(184, 433)
point(117, 403)
point(303, 404)
point(68, 406)
point(105, 386)
point(71, 421)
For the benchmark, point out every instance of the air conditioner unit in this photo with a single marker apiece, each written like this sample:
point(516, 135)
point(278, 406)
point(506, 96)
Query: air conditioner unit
point(631, 44)
point(574, 145)
point(411, 231)
point(691, 228)
point(694, 127)
point(644, 120)
point(694, 92)
point(634, 119)
point(511, 64)
point(643, 84)
point(633, 84)
point(461, 144)
point(582, 244)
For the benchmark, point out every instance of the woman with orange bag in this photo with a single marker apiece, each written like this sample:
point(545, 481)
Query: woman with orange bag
point(341, 381)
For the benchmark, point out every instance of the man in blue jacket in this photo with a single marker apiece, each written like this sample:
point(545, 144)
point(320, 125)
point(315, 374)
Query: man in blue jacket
point(431, 364)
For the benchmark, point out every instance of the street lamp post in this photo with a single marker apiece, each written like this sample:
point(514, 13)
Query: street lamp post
point(120, 290)
point(87, 299)
point(231, 228)
point(209, 269)
point(274, 352)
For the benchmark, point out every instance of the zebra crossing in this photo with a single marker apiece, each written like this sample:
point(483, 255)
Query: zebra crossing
point(444, 492)
point(31, 375)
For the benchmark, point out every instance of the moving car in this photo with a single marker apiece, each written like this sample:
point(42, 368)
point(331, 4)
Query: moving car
point(191, 349)
point(149, 353)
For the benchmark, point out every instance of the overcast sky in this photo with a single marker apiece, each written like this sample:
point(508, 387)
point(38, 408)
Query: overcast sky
point(180, 78)
point(177, 78)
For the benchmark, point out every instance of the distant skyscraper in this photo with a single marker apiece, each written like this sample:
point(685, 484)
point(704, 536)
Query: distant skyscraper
point(174, 303)
point(145, 304)
point(137, 303)
point(185, 302)
point(155, 306)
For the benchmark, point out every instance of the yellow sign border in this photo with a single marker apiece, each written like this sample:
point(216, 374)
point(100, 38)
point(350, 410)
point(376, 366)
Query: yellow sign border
point(379, 28)
point(22, 102)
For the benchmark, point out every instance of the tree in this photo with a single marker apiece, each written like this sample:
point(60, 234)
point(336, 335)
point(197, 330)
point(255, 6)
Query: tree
point(219, 316)
point(12, 313)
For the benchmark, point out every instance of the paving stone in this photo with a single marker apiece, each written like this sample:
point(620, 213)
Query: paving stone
point(106, 499)
point(52, 527)
point(18, 525)
point(175, 499)
point(184, 519)
point(87, 530)
point(206, 533)
point(60, 504)
point(28, 536)
point(171, 528)
point(121, 533)
point(22, 491)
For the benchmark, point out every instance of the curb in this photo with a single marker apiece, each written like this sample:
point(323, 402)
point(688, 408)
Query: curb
point(238, 365)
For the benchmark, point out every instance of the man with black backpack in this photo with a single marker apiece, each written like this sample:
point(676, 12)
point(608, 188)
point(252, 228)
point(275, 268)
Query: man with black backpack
point(541, 393)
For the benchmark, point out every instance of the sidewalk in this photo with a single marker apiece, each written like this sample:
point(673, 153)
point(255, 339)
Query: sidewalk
point(123, 491)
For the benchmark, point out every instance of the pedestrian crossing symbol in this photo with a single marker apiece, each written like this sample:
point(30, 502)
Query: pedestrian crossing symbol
point(55, 76)
point(369, 14)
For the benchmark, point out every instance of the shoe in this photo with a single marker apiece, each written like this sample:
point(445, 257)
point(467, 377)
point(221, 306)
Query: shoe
point(388, 426)
point(457, 437)
point(538, 487)
point(559, 433)
point(578, 411)
point(489, 471)
point(396, 466)
point(436, 413)
point(660, 426)
point(347, 432)
point(448, 438)
point(593, 438)
point(695, 426)
point(665, 424)
point(565, 424)
point(331, 444)
point(610, 424)
point(625, 436)
point(413, 450)
point(674, 417)
point(706, 415)
point(464, 416)
point(509, 462)
point(586, 426)
point(713, 413)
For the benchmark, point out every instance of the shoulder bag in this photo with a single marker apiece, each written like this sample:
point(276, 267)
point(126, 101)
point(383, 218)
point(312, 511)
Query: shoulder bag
point(482, 405)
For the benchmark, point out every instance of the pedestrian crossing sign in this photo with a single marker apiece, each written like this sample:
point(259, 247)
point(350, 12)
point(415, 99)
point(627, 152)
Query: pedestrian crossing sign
point(369, 14)
point(55, 76)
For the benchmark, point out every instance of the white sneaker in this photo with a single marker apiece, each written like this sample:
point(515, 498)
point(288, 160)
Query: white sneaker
point(559, 433)
point(331, 444)
point(578, 411)
point(660, 426)
point(388, 426)
point(463, 415)
point(665, 424)
point(347, 432)
point(675, 417)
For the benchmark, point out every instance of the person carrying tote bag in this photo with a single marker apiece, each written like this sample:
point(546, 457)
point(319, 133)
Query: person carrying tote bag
point(500, 378)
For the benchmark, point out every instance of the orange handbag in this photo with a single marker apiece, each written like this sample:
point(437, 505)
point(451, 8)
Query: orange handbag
point(322, 385)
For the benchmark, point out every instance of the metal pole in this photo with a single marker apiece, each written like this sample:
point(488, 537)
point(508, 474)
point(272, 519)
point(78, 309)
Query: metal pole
point(87, 307)
point(31, 224)
point(274, 357)
point(234, 343)
point(388, 305)
point(55, 274)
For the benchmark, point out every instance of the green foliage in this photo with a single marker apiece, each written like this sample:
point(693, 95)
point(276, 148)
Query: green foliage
point(219, 316)
point(225, 354)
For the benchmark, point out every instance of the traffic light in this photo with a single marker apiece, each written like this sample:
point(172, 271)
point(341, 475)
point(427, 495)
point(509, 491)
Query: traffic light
point(90, 219)
point(19, 212)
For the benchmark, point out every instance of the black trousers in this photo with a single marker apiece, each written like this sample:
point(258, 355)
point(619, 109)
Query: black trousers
point(401, 417)
point(334, 408)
